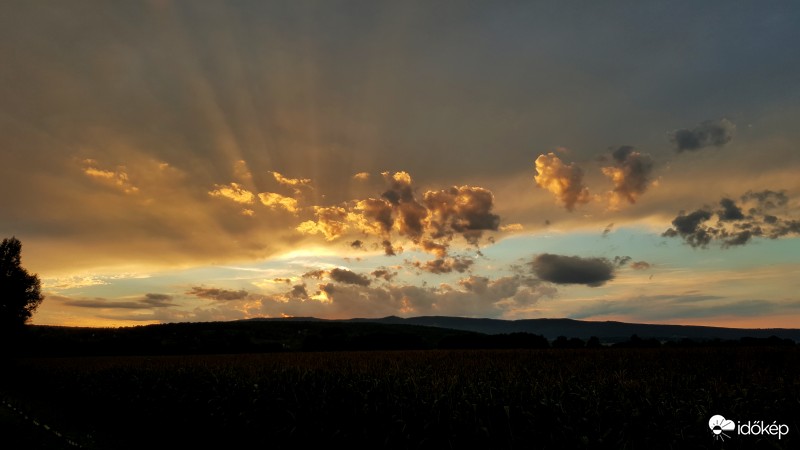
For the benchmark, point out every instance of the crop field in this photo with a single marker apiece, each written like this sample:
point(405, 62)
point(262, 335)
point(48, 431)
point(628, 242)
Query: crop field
point(525, 399)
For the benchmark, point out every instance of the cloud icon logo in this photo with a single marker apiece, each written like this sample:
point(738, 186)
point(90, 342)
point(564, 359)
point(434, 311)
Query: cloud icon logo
point(719, 425)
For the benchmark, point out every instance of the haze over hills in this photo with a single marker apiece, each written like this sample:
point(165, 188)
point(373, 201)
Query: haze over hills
point(608, 331)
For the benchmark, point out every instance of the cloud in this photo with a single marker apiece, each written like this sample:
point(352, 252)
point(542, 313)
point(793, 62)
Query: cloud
point(641, 265)
point(445, 265)
point(688, 226)
point(512, 227)
point(218, 294)
point(630, 175)
point(346, 276)
point(732, 227)
point(373, 216)
point(296, 184)
point(561, 269)
point(158, 300)
point(361, 176)
point(234, 192)
point(729, 210)
point(766, 199)
point(149, 301)
point(116, 178)
point(278, 201)
point(607, 229)
point(466, 210)
point(432, 223)
point(564, 181)
point(710, 133)
point(298, 291)
point(332, 222)
point(472, 296)
point(383, 273)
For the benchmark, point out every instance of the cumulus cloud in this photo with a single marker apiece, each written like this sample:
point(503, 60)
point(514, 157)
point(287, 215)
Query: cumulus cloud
point(373, 216)
point(361, 176)
point(689, 227)
point(565, 181)
point(348, 277)
point(217, 294)
point(561, 269)
point(384, 274)
point(331, 222)
point(729, 210)
point(711, 133)
point(432, 222)
point(630, 175)
point(464, 209)
point(731, 226)
point(445, 265)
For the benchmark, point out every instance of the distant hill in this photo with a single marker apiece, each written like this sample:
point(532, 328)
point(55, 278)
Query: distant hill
point(387, 333)
point(606, 331)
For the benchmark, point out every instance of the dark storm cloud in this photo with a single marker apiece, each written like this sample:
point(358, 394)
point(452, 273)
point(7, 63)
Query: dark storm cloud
point(348, 277)
point(708, 134)
point(561, 269)
point(630, 175)
point(218, 294)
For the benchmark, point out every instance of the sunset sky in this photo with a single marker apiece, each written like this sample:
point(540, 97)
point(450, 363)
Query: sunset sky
point(193, 161)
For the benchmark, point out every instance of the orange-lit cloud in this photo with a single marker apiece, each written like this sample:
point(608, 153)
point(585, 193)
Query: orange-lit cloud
point(234, 192)
point(630, 176)
point(116, 178)
point(565, 181)
point(332, 222)
point(278, 201)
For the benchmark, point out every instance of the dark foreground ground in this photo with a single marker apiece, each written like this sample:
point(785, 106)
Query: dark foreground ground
point(531, 399)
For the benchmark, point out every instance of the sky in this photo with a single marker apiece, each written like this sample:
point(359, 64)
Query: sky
point(167, 161)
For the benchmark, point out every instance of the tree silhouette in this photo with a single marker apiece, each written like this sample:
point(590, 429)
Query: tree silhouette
point(19, 291)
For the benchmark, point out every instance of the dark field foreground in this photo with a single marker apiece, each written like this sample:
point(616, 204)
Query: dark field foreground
point(603, 398)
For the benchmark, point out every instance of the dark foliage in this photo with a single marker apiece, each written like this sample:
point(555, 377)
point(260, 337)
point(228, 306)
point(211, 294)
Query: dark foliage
point(573, 398)
point(19, 291)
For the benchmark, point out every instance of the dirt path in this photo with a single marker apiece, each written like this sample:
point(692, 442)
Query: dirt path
point(18, 433)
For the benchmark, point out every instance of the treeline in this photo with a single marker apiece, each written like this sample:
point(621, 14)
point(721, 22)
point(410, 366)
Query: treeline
point(262, 337)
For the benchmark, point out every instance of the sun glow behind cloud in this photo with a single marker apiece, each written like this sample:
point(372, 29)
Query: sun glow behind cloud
point(181, 141)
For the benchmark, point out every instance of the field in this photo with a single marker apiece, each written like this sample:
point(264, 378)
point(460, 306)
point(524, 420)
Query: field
point(531, 399)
